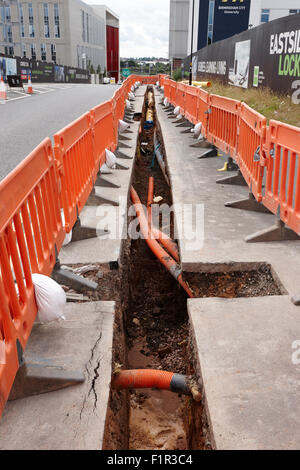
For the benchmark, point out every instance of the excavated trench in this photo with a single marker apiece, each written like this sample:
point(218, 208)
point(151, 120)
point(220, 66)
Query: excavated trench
point(152, 327)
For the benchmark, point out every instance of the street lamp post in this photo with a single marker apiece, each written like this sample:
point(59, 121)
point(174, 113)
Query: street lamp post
point(192, 43)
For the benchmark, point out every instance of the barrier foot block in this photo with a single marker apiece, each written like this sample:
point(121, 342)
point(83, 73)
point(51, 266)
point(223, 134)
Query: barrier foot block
point(67, 278)
point(210, 153)
point(35, 379)
point(179, 121)
point(96, 200)
point(122, 155)
point(278, 232)
point(128, 121)
point(124, 138)
point(249, 204)
point(105, 183)
point(124, 146)
point(82, 232)
point(237, 180)
point(202, 144)
point(185, 124)
point(121, 167)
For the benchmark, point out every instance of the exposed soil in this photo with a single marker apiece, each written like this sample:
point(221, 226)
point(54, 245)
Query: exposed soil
point(234, 284)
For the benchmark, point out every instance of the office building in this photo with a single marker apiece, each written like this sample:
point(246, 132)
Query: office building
point(66, 32)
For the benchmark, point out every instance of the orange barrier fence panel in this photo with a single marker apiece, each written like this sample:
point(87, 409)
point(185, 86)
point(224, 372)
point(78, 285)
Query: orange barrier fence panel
point(76, 163)
point(180, 97)
point(282, 190)
point(118, 108)
point(202, 110)
point(223, 123)
point(167, 89)
point(31, 231)
point(252, 136)
point(191, 103)
point(104, 131)
point(173, 87)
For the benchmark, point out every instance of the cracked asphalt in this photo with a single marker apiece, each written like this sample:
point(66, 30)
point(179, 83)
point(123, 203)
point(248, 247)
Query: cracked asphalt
point(24, 123)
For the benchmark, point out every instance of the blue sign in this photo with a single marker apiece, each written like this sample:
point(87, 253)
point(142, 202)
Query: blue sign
point(230, 17)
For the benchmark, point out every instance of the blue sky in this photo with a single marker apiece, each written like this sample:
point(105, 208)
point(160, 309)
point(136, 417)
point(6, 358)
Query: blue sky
point(144, 26)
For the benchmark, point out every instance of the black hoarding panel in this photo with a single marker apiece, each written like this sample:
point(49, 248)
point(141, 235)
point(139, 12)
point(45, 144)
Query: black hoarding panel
point(268, 56)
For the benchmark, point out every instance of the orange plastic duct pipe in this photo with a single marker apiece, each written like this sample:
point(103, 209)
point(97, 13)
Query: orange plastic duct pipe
point(164, 239)
point(148, 378)
point(165, 259)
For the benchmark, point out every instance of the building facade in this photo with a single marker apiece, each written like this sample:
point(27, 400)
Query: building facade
point(215, 20)
point(178, 31)
point(66, 32)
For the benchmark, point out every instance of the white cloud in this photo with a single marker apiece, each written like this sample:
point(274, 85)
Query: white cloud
point(144, 26)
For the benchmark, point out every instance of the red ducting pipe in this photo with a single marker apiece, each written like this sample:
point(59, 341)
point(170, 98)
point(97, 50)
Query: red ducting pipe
point(164, 239)
point(165, 259)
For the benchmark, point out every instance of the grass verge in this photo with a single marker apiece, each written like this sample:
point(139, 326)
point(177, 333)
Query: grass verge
point(263, 100)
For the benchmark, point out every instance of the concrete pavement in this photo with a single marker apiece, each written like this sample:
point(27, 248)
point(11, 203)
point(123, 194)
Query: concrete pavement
point(25, 122)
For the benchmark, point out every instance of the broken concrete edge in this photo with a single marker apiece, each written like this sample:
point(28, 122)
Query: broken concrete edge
point(198, 373)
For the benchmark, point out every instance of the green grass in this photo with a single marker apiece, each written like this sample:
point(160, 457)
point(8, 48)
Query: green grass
point(263, 100)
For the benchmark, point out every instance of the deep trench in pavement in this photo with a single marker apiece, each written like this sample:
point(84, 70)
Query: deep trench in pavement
point(152, 328)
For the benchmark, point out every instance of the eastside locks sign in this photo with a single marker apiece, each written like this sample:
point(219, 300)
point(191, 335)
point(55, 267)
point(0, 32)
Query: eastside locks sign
point(287, 46)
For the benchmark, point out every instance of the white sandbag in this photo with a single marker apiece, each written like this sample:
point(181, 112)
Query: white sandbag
point(50, 298)
point(197, 129)
point(179, 117)
point(104, 170)
point(163, 89)
point(132, 88)
point(177, 110)
point(111, 159)
point(123, 126)
point(166, 102)
point(157, 84)
point(131, 96)
point(128, 105)
point(68, 237)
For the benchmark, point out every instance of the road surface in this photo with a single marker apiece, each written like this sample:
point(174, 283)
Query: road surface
point(26, 120)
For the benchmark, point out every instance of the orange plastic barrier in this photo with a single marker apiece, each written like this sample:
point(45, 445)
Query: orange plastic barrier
point(192, 100)
point(30, 233)
point(223, 123)
point(167, 89)
point(282, 190)
point(252, 135)
point(118, 107)
point(180, 97)
point(202, 113)
point(104, 131)
point(77, 166)
point(173, 88)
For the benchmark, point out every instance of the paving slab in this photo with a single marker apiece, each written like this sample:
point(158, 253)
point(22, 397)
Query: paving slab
point(106, 249)
point(73, 418)
point(250, 377)
point(221, 246)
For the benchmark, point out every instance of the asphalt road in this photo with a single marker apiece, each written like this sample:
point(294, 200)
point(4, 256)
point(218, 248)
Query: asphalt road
point(26, 121)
